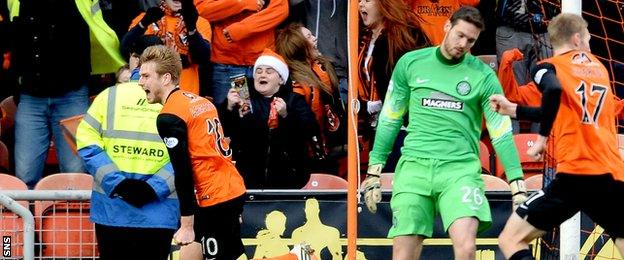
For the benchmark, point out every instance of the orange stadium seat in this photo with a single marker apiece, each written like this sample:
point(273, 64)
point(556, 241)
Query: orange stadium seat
point(490, 60)
point(387, 180)
point(69, 126)
point(64, 227)
point(51, 159)
point(323, 181)
point(4, 157)
point(529, 166)
point(534, 182)
point(493, 183)
point(8, 115)
point(12, 225)
point(484, 157)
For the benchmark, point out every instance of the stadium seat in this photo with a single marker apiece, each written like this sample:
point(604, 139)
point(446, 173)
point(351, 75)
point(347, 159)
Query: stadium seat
point(493, 183)
point(4, 158)
point(64, 227)
point(8, 114)
point(529, 166)
point(12, 225)
point(534, 182)
point(386, 180)
point(484, 157)
point(490, 60)
point(364, 147)
point(323, 181)
point(51, 159)
point(69, 126)
point(7, 123)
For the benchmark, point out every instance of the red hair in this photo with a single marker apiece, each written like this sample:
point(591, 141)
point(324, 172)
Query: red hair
point(402, 29)
point(299, 56)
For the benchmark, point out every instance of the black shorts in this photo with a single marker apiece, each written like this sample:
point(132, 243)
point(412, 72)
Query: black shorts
point(218, 229)
point(595, 195)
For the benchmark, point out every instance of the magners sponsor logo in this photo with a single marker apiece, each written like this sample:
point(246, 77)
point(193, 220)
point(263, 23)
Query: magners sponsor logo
point(443, 104)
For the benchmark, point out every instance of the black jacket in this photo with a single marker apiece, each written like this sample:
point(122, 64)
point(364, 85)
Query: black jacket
point(51, 52)
point(276, 158)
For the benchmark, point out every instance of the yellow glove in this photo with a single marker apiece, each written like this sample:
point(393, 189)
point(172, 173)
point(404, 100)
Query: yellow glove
point(518, 192)
point(372, 187)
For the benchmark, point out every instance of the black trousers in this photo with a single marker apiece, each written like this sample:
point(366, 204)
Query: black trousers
point(119, 243)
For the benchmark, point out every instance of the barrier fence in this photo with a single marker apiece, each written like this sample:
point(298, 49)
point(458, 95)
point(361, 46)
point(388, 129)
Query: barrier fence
point(55, 225)
point(59, 227)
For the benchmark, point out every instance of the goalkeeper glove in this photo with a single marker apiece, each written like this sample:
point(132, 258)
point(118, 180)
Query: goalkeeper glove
point(372, 187)
point(518, 192)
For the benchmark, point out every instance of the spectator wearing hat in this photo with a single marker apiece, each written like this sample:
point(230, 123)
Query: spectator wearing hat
point(269, 140)
point(241, 31)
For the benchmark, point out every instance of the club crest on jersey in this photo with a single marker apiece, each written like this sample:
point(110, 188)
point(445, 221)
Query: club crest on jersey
point(463, 88)
point(188, 95)
point(580, 58)
point(170, 142)
point(193, 98)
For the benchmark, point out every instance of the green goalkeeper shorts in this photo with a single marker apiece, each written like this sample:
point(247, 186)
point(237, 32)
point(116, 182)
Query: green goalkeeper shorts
point(423, 187)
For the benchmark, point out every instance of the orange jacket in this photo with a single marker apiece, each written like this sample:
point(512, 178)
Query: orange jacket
point(528, 94)
point(251, 31)
point(314, 97)
point(525, 95)
point(434, 15)
point(189, 78)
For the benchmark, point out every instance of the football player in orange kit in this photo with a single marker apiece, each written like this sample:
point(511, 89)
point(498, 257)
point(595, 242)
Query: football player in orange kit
point(576, 92)
point(210, 189)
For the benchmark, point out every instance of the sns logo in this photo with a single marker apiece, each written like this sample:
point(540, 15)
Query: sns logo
point(170, 142)
point(6, 246)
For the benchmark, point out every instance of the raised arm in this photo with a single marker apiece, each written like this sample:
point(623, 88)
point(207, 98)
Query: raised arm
point(499, 127)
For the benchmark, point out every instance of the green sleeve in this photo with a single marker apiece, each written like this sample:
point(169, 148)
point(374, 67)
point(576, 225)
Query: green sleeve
point(500, 131)
point(391, 116)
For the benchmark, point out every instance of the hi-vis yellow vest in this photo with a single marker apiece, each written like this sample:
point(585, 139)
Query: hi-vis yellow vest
point(105, 55)
point(123, 123)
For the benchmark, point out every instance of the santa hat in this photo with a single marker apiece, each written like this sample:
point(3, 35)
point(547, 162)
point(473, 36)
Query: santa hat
point(273, 60)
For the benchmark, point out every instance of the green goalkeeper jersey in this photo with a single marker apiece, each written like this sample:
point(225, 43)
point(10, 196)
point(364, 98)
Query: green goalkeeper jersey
point(446, 101)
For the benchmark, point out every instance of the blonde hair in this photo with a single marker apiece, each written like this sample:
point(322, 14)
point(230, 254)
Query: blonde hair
point(564, 26)
point(121, 70)
point(166, 59)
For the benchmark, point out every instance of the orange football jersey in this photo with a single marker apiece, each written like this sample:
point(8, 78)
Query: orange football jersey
point(585, 128)
point(215, 176)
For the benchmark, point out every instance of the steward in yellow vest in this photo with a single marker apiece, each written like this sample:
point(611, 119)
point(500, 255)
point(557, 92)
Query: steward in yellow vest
point(133, 203)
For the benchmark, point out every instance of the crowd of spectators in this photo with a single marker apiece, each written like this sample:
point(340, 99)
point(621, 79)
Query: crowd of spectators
point(53, 63)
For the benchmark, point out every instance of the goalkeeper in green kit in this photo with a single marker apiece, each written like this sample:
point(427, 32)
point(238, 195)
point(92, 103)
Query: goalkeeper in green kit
point(446, 92)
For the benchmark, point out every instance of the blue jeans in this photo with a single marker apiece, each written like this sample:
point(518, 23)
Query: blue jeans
point(343, 87)
point(35, 118)
point(221, 74)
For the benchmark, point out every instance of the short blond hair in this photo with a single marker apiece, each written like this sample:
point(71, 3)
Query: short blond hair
point(564, 26)
point(166, 59)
